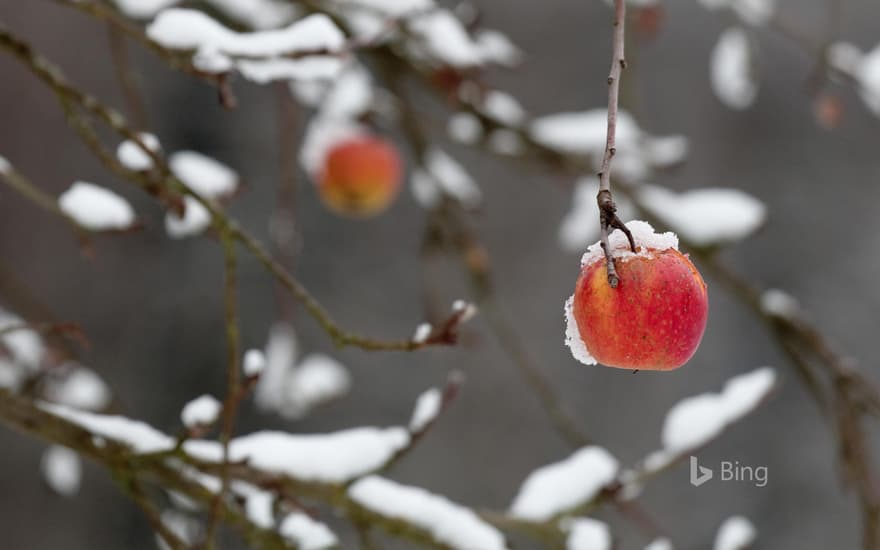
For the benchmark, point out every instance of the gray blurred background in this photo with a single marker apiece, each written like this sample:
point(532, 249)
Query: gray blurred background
point(152, 307)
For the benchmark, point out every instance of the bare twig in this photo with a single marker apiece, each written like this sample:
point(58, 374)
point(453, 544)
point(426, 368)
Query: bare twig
point(608, 220)
point(126, 77)
point(161, 183)
point(233, 376)
point(135, 490)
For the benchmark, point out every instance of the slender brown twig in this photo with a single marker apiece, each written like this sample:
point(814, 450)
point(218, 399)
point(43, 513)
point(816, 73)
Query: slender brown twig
point(233, 375)
point(161, 183)
point(126, 77)
point(608, 219)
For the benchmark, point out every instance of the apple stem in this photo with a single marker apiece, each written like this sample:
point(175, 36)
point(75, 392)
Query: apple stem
point(608, 220)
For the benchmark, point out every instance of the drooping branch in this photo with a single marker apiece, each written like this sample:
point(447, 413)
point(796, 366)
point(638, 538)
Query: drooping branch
point(161, 183)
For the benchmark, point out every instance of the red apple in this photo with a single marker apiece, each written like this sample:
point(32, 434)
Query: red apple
point(654, 318)
point(360, 176)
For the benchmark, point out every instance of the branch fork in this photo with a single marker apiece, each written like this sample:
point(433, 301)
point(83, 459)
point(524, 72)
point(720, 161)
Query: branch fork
point(608, 222)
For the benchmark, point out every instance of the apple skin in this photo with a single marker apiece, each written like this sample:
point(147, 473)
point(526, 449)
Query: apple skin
point(360, 177)
point(653, 320)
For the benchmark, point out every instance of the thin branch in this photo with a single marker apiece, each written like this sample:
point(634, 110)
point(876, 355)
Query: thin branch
point(448, 217)
point(125, 76)
point(135, 490)
point(162, 184)
point(608, 219)
point(233, 376)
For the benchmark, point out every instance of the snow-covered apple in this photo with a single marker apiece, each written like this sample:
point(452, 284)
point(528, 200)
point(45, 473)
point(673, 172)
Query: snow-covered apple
point(653, 320)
